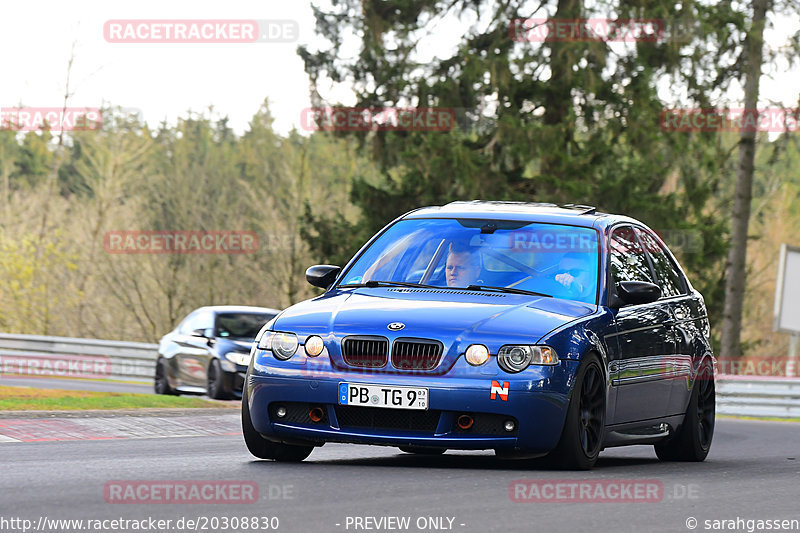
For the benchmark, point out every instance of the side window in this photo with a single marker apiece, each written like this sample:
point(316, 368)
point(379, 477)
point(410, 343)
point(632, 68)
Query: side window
point(204, 320)
point(185, 326)
point(669, 280)
point(201, 320)
point(628, 260)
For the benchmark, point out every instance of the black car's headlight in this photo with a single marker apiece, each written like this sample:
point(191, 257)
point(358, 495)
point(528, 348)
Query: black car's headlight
point(282, 345)
point(239, 358)
point(517, 357)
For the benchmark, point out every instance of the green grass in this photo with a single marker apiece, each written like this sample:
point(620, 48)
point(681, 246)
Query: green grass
point(762, 418)
point(32, 399)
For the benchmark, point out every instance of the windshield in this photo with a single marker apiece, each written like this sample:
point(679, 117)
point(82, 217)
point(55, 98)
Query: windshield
point(556, 260)
point(241, 326)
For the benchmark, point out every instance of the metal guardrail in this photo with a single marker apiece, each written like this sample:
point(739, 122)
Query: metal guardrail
point(773, 397)
point(42, 356)
point(34, 355)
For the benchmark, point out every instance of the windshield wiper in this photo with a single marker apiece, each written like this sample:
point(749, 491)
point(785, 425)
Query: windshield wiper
point(506, 289)
point(378, 283)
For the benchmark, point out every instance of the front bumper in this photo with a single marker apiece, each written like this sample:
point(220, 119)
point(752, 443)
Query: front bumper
point(234, 378)
point(536, 403)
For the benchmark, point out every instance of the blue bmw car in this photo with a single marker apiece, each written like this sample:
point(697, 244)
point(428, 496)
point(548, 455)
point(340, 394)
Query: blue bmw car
point(527, 329)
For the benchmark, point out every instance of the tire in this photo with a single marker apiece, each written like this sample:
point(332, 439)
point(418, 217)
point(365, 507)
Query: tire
point(692, 441)
point(582, 437)
point(264, 449)
point(216, 386)
point(161, 382)
point(423, 450)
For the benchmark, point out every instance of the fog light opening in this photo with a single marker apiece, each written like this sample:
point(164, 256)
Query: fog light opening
point(509, 425)
point(465, 421)
point(280, 412)
point(316, 414)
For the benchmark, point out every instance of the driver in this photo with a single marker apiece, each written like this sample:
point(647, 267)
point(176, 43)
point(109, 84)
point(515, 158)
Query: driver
point(574, 275)
point(463, 265)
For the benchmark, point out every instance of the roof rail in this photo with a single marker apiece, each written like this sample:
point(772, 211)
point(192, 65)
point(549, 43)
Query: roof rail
point(582, 208)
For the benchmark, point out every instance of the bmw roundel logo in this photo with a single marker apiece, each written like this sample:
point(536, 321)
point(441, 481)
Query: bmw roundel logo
point(396, 326)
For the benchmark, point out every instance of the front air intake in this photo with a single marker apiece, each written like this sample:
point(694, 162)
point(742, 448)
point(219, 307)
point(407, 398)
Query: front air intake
point(416, 354)
point(365, 351)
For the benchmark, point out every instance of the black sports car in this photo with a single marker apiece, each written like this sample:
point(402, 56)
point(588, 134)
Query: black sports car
point(209, 351)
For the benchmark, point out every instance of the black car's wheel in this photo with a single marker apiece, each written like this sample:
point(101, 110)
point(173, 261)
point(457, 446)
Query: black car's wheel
point(264, 449)
point(215, 383)
point(692, 441)
point(582, 437)
point(161, 383)
point(423, 450)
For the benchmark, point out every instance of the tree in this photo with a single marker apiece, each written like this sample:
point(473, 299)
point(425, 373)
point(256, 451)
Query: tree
point(571, 122)
point(735, 279)
point(9, 153)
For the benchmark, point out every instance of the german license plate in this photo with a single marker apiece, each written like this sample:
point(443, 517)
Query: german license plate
point(383, 396)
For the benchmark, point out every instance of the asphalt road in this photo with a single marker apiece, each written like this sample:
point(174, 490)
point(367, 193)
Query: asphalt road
point(753, 472)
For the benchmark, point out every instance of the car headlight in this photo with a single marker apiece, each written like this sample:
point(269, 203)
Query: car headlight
point(239, 358)
point(477, 354)
point(264, 342)
point(282, 345)
point(517, 357)
point(314, 345)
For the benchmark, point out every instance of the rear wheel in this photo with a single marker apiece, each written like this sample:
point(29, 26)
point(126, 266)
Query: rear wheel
point(215, 386)
point(264, 449)
point(161, 383)
point(582, 438)
point(423, 450)
point(692, 441)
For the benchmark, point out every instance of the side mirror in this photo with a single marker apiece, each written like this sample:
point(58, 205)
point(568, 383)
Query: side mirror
point(638, 292)
point(322, 276)
point(206, 333)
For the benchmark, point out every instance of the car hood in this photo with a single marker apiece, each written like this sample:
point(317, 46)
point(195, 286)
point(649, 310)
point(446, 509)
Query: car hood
point(233, 345)
point(441, 314)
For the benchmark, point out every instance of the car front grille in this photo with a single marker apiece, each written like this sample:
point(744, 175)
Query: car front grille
point(365, 352)
point(381, 418)
point(416, 354)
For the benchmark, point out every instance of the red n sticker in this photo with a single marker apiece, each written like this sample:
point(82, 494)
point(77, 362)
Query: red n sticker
point(502, 391)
